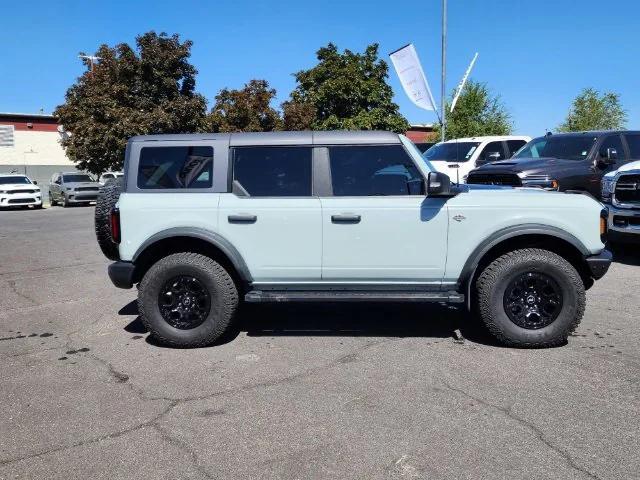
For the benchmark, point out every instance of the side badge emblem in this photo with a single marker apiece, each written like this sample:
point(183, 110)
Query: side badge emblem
point(459, 218)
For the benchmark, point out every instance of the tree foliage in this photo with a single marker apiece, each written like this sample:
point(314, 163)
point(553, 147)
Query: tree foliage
point(245, 110)
point(344, 91)
point(130, 92)
point(477, 113)
point(592, 111)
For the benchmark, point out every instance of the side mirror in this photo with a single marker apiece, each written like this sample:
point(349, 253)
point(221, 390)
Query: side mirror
point(493, 156)
point(438, 185)
point(34, 182)
point(608, 157)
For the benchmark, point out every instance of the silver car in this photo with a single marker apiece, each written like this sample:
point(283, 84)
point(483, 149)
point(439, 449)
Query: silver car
point(70, 188)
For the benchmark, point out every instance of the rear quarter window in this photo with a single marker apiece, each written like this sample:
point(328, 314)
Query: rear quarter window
point(175, 167)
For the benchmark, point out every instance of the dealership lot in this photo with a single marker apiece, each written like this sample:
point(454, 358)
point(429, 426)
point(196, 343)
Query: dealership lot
point(357, 391)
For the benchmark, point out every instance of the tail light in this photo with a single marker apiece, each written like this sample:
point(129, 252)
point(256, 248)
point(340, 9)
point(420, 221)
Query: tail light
point(114, 221)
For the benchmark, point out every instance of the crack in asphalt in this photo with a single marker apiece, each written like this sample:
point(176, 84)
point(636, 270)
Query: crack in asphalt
point(528, 425)
point(183, 446)
point(14, 289)
point(172, 403)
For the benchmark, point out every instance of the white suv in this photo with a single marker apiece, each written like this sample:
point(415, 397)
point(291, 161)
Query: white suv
point(19, 191)
point(458, 157)
point(201, 222)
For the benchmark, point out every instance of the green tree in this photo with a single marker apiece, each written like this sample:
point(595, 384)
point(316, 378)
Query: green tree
point(592, 111)
point(477, 112)
point(130, 92)
point(344, 91)
point(245, 110)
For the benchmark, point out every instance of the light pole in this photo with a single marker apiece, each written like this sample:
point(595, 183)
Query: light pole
point(443, 119)
point(92, 59)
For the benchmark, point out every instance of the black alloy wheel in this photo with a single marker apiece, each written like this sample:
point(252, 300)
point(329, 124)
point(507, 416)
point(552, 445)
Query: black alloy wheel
point(184, 302)
point(533, 300)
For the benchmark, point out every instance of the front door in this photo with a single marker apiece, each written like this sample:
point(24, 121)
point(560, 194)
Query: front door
point(271, 216)
point(377, 227)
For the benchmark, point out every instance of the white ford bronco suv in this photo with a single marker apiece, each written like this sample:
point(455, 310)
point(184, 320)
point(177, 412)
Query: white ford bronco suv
point(202, 222)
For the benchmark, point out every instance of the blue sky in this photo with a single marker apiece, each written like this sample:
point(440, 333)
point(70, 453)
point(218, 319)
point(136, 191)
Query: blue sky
point(536, 54)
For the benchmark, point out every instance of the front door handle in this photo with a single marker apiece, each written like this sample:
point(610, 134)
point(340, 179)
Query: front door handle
point(345, 218)
point(242, 218)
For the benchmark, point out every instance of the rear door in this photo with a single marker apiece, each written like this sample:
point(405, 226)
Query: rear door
point(272, 216)
point(376, 227)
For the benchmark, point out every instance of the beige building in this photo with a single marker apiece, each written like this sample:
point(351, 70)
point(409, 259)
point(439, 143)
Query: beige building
point(30, 144)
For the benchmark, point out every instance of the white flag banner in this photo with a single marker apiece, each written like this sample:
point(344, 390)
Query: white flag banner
point(462, 82)
point(407, 65)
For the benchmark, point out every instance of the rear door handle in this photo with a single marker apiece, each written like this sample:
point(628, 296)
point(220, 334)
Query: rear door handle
point(345, 218)
point(242, 218)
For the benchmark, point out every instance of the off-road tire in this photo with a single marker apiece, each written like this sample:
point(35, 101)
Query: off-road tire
point(107, 198)
point(494, 279)
point(217, 281)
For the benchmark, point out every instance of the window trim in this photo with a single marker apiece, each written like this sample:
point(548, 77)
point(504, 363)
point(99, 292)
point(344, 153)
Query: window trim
point(328, 173)
point(218, 184)
point(231, 171)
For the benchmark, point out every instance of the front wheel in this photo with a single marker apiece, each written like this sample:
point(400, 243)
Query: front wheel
point(530, 298)
point(65, 201)
point(187, 300)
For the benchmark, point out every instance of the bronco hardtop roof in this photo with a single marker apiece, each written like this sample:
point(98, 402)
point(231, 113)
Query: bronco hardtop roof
point(336, 137)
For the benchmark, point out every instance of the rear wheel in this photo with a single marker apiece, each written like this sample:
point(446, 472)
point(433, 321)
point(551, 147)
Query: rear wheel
point(187, 300)
point(530, 298)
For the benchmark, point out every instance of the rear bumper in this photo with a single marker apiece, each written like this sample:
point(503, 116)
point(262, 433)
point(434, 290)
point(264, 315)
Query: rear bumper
point(121, 274)
point(599, 264)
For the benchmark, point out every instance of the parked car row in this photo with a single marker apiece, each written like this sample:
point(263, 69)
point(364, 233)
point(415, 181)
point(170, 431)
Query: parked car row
point(65, 188)
point(598, 163)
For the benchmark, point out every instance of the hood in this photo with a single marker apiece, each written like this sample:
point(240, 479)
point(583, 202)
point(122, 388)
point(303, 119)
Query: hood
point(19, 186)
point(624, 168)
point(530, 165)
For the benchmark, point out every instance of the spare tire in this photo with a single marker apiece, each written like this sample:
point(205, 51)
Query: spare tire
point(107, 198)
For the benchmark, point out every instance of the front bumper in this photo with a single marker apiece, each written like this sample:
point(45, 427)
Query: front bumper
point(623, 223)
point(599, 264)
point(20, 199)
point(121, 274)
point(82, 197)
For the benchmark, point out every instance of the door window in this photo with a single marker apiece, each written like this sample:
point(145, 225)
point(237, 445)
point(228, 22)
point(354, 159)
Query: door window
point(492, 152)
point(362, 171)
point(272, 171)
point(514, 146)
point(633, 141)
point(614, 142)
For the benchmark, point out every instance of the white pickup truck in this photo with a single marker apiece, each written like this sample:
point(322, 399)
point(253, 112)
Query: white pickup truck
point(458, 157)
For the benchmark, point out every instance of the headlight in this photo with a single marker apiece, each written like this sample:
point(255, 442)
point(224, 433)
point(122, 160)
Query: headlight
point(607, 187)
point(539, 181)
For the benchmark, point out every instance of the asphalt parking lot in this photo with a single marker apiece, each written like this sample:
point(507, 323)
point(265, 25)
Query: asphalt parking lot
point(368, 392)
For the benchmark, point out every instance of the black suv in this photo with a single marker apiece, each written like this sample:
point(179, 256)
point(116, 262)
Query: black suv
point(565, 161)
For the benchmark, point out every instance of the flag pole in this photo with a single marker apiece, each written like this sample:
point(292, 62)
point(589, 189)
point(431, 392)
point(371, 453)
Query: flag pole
point(443, 118)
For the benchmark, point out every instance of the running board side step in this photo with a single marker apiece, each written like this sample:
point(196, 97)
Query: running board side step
point(260, 296)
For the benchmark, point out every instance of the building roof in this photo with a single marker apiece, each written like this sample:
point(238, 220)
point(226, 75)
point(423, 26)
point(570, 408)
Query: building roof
point(27, 115)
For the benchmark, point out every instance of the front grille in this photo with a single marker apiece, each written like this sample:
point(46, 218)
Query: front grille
point(22, 200)
point(627, 189)
point(87, 189)
point(22, 191)
point(494, 179)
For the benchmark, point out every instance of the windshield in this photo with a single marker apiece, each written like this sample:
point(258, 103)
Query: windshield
point(415, 153)
point(565, 147)
point(77, 178)
point(451, 152)
point(16, 179)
